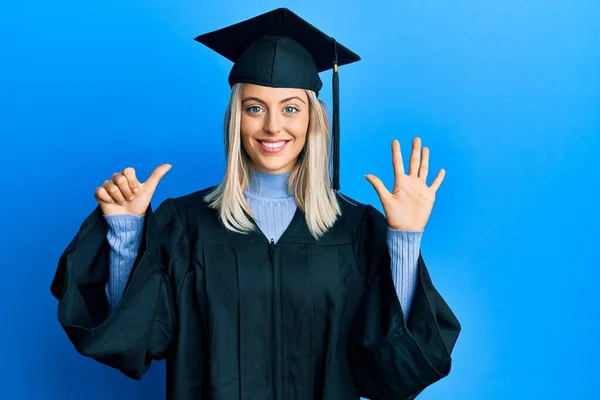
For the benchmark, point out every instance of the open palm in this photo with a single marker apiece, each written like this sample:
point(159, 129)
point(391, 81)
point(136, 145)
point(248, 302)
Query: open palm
point(408, 206)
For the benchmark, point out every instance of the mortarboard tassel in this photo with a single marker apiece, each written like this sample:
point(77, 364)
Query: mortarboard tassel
point(336, 121)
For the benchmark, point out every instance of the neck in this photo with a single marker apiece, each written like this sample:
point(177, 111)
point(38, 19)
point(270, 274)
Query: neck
point(268, 186)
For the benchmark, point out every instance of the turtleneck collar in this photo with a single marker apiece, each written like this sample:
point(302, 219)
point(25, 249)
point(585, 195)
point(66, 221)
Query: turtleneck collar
point(268, 186)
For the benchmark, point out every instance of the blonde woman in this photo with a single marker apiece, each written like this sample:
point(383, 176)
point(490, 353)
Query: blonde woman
point(272, 284)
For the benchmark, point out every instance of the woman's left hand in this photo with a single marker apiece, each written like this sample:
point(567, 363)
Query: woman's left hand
point(409, 205)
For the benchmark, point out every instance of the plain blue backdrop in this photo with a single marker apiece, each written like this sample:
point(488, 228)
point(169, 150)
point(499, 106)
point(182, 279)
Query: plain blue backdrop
point(505, 93)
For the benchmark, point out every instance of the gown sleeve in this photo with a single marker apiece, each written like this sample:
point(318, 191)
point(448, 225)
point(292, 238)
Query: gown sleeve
point(391, 358)
point(142, 327)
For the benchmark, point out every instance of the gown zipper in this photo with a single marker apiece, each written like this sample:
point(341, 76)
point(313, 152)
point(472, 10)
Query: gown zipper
point(277, 310)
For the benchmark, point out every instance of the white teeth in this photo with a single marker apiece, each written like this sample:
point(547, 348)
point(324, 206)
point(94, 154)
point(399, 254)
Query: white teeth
point(275, 145)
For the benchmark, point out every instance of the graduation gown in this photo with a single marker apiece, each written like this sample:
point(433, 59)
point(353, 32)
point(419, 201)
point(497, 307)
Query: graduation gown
point(237, 316)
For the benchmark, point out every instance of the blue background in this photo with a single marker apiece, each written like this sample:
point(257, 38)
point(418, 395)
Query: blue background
point(505, 93)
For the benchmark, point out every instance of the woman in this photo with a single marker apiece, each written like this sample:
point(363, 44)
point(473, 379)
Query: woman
point(271, 285)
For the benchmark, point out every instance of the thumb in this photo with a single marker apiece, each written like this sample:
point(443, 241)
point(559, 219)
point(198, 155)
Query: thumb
point(157, 175)
point(377, 185)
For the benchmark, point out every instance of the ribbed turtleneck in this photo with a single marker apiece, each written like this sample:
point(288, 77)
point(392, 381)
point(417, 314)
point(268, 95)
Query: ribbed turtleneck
point(272, 204)
point(268, 186)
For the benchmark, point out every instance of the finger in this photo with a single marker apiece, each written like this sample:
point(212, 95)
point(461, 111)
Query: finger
point(123, 184)
point(102, 196)
point(397, 159)
point(379, 187)
point(114, 192)
point(435, 185)
point(424, 167)
point(414, 157)
point(157, 175)
point(134, 184)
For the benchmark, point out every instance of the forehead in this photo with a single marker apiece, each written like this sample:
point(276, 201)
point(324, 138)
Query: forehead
point(272, 94)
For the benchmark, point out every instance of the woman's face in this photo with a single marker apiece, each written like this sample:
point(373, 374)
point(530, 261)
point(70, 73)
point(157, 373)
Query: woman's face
point(274, 126)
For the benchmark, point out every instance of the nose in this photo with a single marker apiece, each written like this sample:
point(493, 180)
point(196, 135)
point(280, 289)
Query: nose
point(272, 123)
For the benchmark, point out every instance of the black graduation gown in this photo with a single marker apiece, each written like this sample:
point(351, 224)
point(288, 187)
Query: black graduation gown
point(238, 317)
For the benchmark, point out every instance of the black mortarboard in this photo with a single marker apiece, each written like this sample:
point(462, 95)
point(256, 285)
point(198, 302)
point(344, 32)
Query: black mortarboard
point(280, 49)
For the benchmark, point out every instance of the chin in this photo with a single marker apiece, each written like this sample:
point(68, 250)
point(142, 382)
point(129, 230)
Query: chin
point(272, 166)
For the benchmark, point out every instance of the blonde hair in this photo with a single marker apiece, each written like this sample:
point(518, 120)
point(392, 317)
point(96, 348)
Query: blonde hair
point(309, 179)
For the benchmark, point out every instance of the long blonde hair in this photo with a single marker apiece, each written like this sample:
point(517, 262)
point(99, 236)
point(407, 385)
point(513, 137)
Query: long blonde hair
point(309, 179)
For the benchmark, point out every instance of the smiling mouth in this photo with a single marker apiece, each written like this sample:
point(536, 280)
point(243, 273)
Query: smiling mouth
point(272, 147)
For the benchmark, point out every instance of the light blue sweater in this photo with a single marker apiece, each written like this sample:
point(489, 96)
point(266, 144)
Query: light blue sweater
point(273, 208)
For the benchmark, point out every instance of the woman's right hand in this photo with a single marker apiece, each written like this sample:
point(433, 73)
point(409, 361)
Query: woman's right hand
point(124, 194)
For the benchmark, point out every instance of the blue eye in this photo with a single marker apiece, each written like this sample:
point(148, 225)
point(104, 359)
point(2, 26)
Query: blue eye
point(291, 110)
point(253, 109)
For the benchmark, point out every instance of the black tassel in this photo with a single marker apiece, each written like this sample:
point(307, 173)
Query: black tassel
point(336, 122)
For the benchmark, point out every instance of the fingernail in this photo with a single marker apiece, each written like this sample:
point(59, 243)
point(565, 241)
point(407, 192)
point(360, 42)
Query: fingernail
point(131, 198)
point(135, 190)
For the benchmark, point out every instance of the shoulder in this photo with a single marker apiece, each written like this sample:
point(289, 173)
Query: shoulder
point(356, 210)
point(358, 216)
point(369, 228)
point(193, 201)
point(186, 208)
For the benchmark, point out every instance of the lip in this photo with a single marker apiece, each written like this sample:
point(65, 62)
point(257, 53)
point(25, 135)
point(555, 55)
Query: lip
point(271, 150)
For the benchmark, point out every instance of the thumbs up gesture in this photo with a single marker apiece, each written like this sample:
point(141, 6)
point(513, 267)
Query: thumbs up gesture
point(124, 194)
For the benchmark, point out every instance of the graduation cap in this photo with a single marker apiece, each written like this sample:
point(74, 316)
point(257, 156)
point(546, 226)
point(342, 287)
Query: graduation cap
point(280, 49)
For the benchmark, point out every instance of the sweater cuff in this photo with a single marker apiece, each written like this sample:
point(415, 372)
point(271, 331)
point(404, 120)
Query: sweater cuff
point(125, 233)
point(404, 247)
point(124, 238)
point(124, 222)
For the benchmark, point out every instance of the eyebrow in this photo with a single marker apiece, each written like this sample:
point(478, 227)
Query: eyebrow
point(258, 100)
